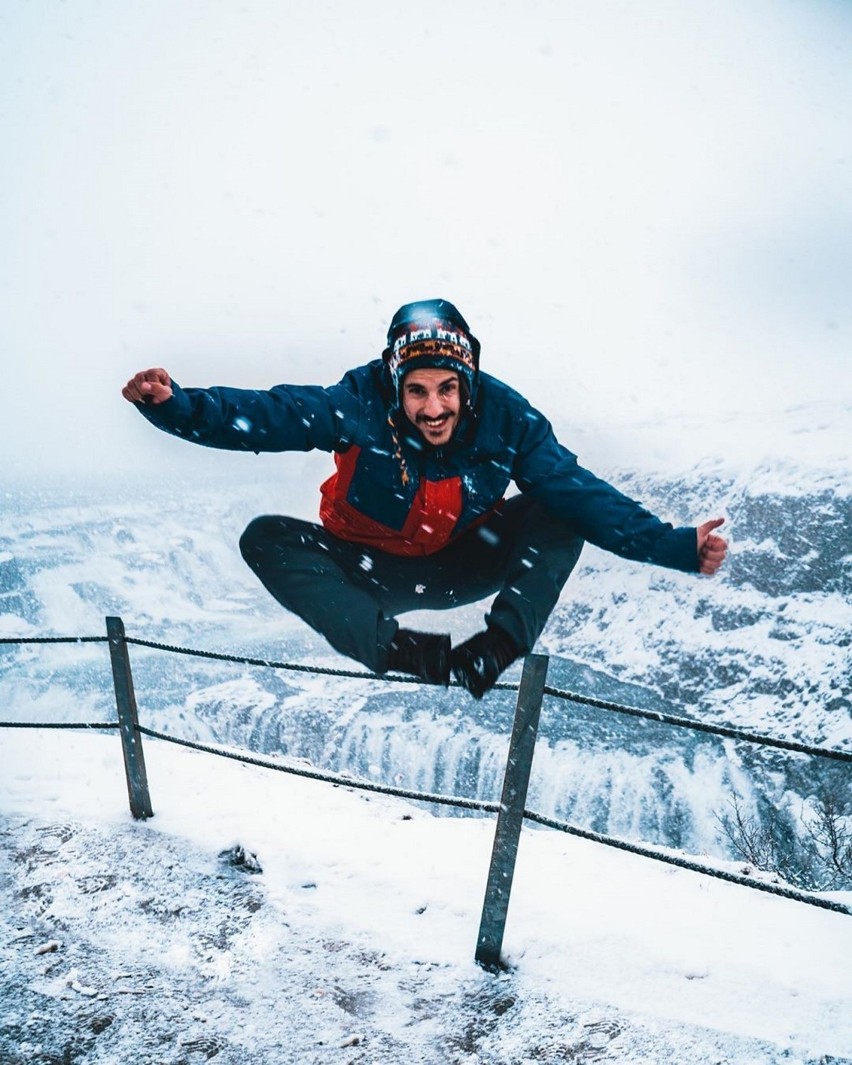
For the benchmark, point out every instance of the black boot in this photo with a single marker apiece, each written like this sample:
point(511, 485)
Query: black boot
point(423, 654)
point(478, 662)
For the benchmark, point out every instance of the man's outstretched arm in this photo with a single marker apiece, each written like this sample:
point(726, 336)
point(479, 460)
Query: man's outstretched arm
point(282, 418)
point(605, 516)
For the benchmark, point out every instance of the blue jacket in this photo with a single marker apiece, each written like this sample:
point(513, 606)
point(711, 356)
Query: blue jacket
point(394, 492)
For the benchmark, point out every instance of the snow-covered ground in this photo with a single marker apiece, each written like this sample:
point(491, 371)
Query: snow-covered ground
point(136, 942)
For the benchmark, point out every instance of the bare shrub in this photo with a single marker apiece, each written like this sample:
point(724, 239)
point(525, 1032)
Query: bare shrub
point(829, 831)
point(814, 854)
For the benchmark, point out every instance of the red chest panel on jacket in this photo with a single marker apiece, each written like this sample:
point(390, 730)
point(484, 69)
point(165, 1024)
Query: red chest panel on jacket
point(428, 527)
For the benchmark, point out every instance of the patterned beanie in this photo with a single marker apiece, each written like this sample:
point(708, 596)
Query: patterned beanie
point(431, 334)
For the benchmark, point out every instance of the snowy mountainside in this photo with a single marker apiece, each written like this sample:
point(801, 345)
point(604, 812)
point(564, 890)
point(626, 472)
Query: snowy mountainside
point(766, 646)
point(768, 643)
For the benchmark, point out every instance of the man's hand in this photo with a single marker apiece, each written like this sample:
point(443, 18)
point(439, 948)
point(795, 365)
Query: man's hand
point(154, 386)
point(711, 548)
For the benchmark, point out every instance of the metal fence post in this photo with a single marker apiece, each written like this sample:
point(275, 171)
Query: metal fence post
point(128, 722)
point(511, 815)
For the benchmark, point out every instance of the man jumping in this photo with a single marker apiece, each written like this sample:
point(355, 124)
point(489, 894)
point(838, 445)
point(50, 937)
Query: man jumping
point(414, 517)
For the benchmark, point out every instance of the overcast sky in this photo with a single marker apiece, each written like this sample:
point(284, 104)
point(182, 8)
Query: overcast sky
point(641, 207)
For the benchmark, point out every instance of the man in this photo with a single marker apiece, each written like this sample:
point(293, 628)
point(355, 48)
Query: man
point(425, 446)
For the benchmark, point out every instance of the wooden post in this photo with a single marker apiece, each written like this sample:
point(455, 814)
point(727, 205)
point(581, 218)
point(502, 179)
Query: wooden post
point(128, 722)
point(511, 815)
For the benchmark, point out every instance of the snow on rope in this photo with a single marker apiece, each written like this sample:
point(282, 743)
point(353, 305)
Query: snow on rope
point(585, 700)
point(727, 731)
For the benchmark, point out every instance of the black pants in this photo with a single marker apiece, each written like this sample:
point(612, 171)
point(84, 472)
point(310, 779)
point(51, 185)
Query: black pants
point(351, 594)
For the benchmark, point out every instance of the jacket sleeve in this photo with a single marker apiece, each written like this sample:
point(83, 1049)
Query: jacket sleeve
point(284, 418)
point(550, 473)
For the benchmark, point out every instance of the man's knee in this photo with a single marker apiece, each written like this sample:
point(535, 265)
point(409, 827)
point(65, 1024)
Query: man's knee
point(275, 539)
point(274, 533)
point(545, 534)
point(256, 538)
point(572, 546)
point(557, 555)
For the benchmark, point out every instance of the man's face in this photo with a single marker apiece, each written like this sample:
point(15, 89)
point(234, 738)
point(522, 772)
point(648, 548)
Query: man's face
point(431, 400)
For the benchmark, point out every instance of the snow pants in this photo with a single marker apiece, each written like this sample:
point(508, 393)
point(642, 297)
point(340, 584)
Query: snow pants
point(351, 593)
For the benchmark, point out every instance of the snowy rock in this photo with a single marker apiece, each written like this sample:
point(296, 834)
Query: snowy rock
point(73, 981)
point(239, 858)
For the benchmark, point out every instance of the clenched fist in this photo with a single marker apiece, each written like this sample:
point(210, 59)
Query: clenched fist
point(148, 386)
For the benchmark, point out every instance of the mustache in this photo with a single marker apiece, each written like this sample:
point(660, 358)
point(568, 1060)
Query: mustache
point(433, 421)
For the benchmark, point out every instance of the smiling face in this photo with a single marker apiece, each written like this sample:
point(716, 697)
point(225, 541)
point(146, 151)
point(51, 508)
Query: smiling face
point(431, 400)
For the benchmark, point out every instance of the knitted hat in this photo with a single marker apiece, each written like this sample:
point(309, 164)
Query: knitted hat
point(431, 334)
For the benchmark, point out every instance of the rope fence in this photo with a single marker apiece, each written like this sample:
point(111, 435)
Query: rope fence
point(341, 779)
point(53, 639)
point(727, 731)
point(481, 806)
point(94, 725)
point(511, 811)
point(656, 716)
